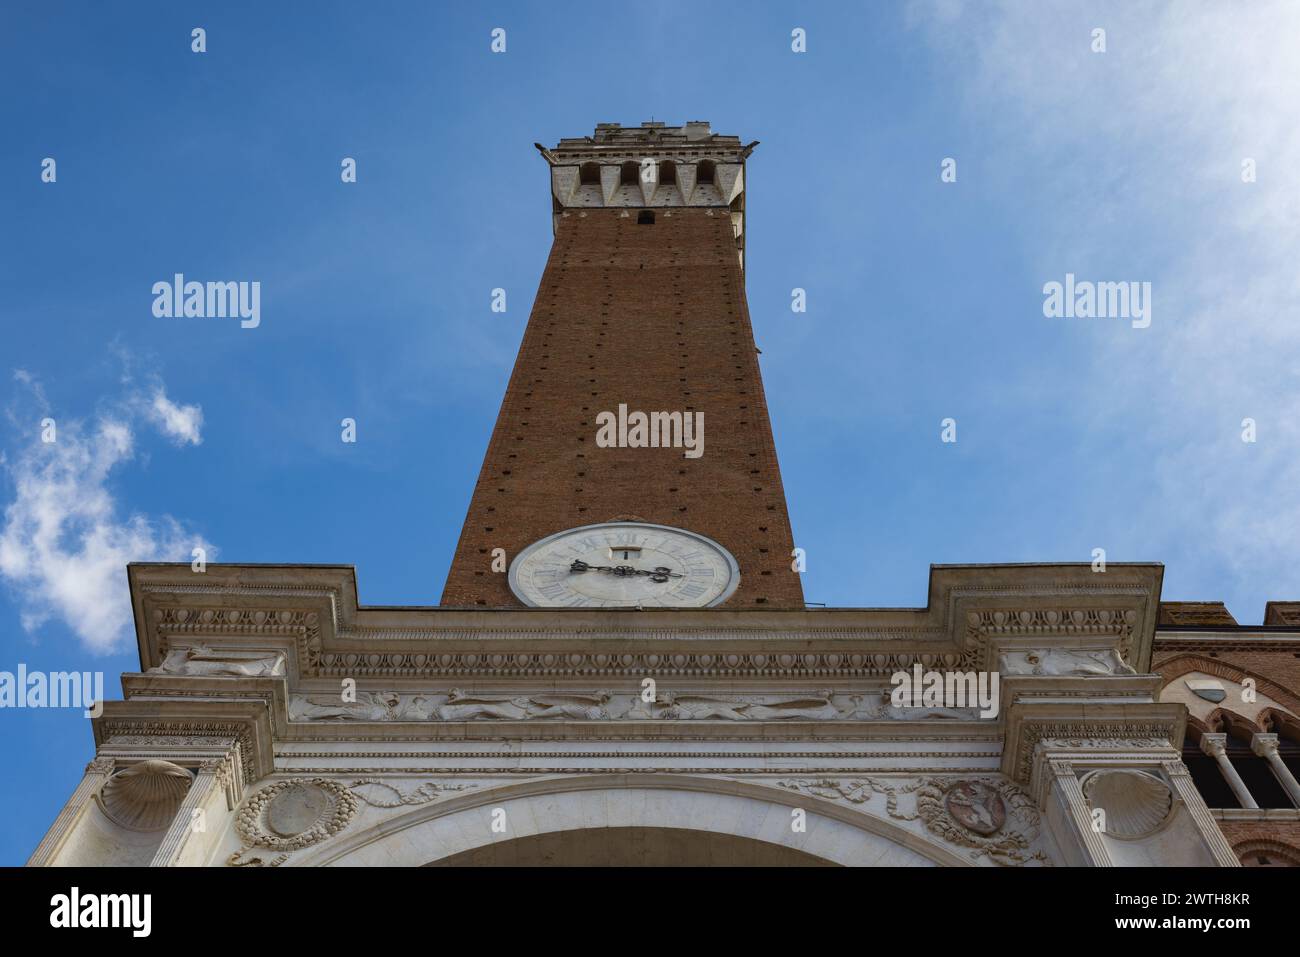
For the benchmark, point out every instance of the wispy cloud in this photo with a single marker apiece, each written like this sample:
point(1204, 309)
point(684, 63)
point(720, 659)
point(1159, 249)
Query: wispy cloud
point(65, 541)
point(1136, 155)
point(182, 423)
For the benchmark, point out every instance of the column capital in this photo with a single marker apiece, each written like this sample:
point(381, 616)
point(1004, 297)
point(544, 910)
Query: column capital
point(101, 765)
point(1264, 745)
point(1215, 745)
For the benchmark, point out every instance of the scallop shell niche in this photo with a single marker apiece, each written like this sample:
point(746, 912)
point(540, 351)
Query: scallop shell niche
point(1135, 803)
point(145, 796)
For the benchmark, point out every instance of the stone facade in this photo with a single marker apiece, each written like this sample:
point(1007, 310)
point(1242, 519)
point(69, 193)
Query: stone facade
point(235, 744)
point(277, 721)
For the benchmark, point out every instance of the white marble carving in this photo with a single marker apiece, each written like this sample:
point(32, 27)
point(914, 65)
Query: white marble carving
point(1063, 662)
point(202, 660)
point(605, 705)
point(993, 818)
point(382, 794)
point(293, 814)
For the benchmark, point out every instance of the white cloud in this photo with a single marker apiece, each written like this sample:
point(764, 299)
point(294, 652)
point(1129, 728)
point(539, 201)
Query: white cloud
point(1151, 135)
point(65, 545)
point(182, 423)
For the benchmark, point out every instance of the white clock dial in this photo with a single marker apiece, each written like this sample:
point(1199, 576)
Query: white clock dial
point(624, 564)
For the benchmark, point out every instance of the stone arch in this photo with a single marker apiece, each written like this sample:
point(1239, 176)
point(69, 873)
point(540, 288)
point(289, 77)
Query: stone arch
point(1235, 725)
point(1281, 723)
point(1265, 853)
point(1179, 665)
point(834, 834)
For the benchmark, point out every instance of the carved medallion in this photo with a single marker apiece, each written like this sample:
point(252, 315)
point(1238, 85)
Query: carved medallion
point(297, 813)
point(976, 807)
point(297, 809)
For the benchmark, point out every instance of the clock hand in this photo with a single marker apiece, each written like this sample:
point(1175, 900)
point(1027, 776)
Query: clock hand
point(660, 573)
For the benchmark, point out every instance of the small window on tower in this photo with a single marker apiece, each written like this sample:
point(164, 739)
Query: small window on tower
point(589, 174)
point(630, 174)
point(705, 172)
point(646, 218)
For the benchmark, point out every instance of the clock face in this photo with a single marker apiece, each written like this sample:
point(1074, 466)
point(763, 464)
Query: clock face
point(624, 564)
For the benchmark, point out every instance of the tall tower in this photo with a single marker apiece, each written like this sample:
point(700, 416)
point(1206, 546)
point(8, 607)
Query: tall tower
point(632, 462)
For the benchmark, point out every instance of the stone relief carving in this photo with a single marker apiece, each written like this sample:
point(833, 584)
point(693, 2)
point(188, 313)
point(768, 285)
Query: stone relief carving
point(202, 660)
point(301, 625)
point(1095, 735)
point(460, 706)
point(289, 815)
point(817, 706)
point(1118, 622)
point(1061, 662)
point(976, 806)
point(604, 705)
point(990, 818)
point(368, 706)
point(382, 794)
point(1134, 803)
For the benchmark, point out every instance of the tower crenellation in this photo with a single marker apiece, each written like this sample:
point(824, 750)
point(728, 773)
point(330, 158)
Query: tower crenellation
point(653, 165)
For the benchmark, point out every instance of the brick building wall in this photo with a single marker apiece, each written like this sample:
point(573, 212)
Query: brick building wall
point(653, 316)
point(1204, 638)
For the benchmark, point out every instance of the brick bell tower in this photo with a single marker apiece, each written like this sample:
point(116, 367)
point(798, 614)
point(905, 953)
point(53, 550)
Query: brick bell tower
point(640, 326)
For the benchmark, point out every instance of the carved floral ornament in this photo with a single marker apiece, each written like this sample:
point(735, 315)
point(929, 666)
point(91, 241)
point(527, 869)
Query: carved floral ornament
point(991, 818)
point(1042, 738)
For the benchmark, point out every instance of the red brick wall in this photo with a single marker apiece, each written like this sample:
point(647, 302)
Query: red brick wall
point(653, 316)
point(1280, 674)
point(1283, 833)
point(1280, 670)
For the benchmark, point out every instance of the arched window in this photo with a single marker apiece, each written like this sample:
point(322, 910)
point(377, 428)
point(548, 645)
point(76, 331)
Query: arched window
point(589, 174)
point(630, 174)
point(705, 173)
point(668, 173)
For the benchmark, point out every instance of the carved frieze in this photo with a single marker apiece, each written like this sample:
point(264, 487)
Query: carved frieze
point(604, 705)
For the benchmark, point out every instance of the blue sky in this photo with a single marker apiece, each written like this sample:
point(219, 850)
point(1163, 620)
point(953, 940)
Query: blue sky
point(924, 298)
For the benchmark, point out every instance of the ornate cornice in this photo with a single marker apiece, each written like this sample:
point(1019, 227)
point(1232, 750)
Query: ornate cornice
point(973, 612)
